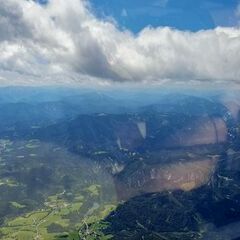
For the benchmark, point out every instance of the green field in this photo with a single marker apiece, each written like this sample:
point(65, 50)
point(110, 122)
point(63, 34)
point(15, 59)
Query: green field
point(49, 193)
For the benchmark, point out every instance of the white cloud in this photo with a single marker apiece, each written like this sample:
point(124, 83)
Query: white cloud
point(64, 42)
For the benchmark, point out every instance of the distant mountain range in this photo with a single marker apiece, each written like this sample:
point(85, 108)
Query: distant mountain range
point(93, 122)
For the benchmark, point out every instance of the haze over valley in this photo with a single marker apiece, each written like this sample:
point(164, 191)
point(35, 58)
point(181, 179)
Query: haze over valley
point(74, 158)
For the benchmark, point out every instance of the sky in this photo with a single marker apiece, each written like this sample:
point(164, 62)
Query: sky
point(191, 15)
point(106, 42)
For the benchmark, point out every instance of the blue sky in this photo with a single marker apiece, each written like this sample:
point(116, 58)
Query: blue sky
point(191, 15)
point(42, 1)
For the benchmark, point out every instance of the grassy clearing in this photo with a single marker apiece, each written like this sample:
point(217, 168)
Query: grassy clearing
point(17, 205)
point(8, 182)
point(94, 190)
point(34, 225)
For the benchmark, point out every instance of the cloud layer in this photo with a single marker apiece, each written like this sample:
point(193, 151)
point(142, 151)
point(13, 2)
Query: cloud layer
point(63, 42)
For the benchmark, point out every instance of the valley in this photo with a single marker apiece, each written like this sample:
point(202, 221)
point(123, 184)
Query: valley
point(43, 197)
point(78, 167)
